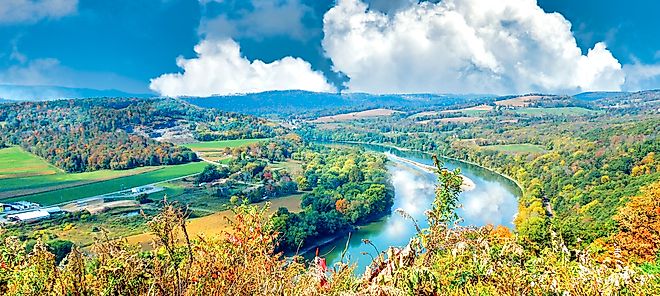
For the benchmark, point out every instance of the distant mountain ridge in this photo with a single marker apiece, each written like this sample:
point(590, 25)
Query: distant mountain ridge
point(599, 95)
point(296, 101)
point(43, 93)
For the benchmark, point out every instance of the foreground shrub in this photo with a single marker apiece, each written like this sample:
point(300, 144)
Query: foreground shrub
point(444, 259)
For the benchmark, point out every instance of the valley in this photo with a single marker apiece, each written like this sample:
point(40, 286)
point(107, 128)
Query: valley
point(345, 182)
point(329, 148)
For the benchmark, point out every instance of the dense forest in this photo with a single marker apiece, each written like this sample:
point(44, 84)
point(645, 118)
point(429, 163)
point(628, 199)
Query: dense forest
point(348, 187)
point(94, 134)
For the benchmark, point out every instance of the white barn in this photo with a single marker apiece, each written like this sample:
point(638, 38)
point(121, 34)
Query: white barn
point(31, 216)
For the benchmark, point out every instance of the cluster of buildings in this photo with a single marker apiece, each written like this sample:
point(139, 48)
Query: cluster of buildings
point(29, 212)
point(25, 211)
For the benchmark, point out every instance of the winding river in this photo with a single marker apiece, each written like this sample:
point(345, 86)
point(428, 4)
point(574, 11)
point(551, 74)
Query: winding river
point(493, 200)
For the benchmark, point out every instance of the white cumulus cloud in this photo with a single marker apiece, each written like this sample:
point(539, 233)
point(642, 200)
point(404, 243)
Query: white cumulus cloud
point(220, 69)
point(463, 46)
point(29, 11)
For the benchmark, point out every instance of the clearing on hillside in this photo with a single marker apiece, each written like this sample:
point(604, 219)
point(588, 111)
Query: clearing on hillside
point(16, 162)
point(356, 115)
point(476, 110)
point(292, 166)
point(516, 148)
point(423, 114)
point(523, 101)
point(215, 150)
point(462, 119)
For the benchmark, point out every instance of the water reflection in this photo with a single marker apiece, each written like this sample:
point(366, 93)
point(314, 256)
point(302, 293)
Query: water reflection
point(493, 201)
point(488, 204)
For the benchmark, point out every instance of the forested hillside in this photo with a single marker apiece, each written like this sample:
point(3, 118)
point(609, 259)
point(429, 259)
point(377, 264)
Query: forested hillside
point(577, 169)
point(93, 134)
point(303, 104)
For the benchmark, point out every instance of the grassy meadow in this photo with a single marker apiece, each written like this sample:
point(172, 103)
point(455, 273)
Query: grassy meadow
point(15, 163)
point(516, 148)
point(214, 150)
point(218, 223)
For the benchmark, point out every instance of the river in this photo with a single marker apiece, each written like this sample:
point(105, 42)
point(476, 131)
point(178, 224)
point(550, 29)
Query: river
point(493, 200)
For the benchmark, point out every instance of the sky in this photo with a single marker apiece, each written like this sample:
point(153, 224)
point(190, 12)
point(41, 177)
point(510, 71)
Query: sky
point(206, 47)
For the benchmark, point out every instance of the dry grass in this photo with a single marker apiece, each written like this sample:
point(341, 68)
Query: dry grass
point(216, 224)
point(106, 206)
point(423, 114)
point(518, 102)
point(355, 115)
point(294, 167)
point(462, 119)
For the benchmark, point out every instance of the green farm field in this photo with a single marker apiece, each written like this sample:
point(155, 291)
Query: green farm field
point(153, 175)
point(15, 162)
point(18, 185)
point(516, 148)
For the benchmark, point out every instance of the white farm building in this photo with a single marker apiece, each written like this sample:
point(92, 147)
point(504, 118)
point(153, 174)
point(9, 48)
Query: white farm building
point(31, 216)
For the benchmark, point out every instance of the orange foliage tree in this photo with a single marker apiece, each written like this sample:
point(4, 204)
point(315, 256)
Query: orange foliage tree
point(639, 225)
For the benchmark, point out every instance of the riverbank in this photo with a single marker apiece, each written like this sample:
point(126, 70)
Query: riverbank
point(493, 202)
point(402, 149)
point(467, 185)
point(326, 241)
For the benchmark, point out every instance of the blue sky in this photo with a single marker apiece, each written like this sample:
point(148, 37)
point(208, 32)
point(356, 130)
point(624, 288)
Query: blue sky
point(124, 44)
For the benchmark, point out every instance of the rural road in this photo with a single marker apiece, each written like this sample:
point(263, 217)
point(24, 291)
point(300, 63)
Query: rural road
point(117, 192)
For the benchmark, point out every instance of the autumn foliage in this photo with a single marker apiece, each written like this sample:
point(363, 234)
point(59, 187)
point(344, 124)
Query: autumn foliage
point(444, 259)
point(639, 225)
